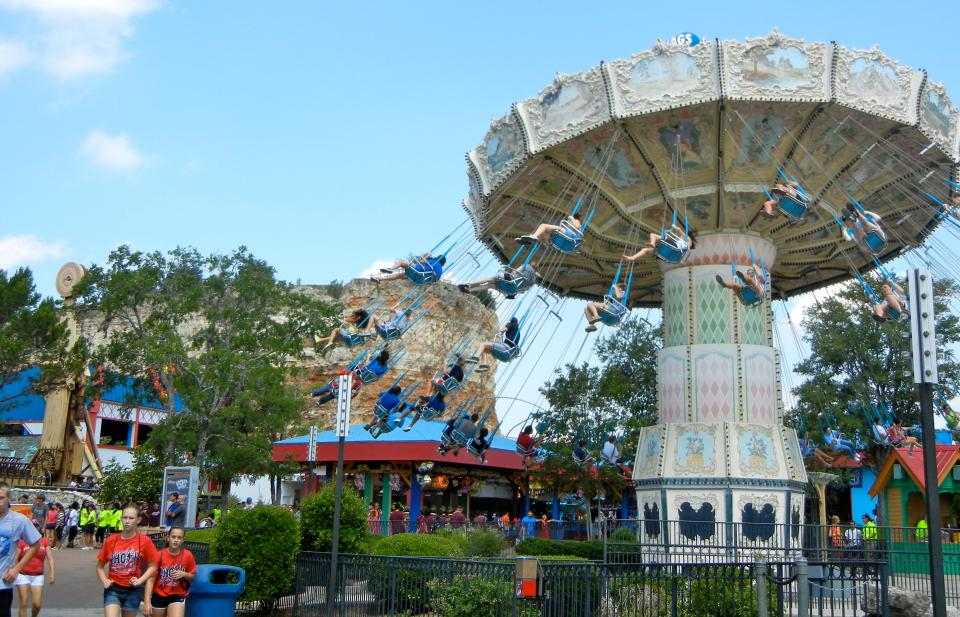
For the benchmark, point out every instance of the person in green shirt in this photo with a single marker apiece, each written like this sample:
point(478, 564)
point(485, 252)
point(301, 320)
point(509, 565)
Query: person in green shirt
point(104, 524)
point(921, 531)
point(870, 537)
point(216, 516)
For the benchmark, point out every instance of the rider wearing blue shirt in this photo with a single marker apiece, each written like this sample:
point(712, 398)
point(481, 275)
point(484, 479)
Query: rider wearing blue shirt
point(433, 406)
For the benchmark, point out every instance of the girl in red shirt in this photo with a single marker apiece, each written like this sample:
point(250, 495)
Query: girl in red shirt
point(127, 560)
point(167, 591)
point(29, 582)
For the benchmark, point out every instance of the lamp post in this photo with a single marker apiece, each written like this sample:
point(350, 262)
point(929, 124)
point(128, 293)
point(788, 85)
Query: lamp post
point(923, 335)
point(343, 427)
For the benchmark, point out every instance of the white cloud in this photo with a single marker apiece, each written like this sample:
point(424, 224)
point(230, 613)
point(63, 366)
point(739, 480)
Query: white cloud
point(113, 152)
point(20, 250)
point(374, 268)
point(79, 38)
point(13, 55)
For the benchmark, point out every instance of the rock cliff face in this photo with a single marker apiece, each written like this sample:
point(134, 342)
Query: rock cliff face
point(451, 316)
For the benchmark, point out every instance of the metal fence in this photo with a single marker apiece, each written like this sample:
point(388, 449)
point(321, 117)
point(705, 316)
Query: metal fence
point(200, 550)
point(376, 585)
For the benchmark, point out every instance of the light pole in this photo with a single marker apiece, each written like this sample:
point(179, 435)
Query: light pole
point(923, 335)
point(343, 427)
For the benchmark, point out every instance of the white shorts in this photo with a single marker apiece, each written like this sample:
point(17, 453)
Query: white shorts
point(34, 580)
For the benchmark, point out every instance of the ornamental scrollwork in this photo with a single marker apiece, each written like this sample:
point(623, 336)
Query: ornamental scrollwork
point(571, 105)
point(776, 67)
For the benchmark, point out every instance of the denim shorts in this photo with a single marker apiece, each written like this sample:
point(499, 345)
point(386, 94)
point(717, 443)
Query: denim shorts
point(128, 598)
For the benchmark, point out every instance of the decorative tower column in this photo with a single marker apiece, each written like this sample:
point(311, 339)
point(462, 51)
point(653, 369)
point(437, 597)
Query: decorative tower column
point(720, 453)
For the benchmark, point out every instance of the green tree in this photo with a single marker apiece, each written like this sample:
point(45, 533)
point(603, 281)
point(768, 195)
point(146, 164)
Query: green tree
point(855, 360)
point(316, 520)
point(217, 333)
point(618, 396)
point(141, 482)
point(31, 334)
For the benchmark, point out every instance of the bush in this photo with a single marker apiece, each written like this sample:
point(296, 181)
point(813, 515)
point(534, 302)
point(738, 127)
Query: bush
point(484, 543)
point(412, 591)
point(624, 535)
point(724, 591)
point(208, 535)
point(316, 518)
point(418, 545)
point(475, 596)
point(263, 541)
point(536, 547)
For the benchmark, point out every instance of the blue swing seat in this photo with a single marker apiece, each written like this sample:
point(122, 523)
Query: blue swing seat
point(513, 285)
point(428, 413)
point(580, 462)
point(503, 351)
point(522, 452)
point(473, 449)
point(612, 311)
point(355, 339)
point(793, 204)
point(875, 241)
point(748, 296)
point(445, 383)
point(381, 412)
point(367, 375)
point(380, 429)
point(420, 273)
point(389, 332)
point(671, 248)
point(455, 438)
point(567, 239)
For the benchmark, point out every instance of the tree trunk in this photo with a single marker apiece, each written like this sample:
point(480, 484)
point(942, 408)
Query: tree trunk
point(225, 494)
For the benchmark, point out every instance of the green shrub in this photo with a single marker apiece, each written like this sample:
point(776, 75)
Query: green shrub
point(536, 547)
point(263, 541)
point(475, 596)
point(208, 535)
point(456, 537)
point(724, 591)
point(370, 543)
point(418, 545)
point(483, 543)
point(624, 535)
point(316, 519)
point(412, 591)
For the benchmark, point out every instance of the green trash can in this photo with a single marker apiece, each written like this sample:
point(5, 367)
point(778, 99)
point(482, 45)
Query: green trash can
point(213, 593)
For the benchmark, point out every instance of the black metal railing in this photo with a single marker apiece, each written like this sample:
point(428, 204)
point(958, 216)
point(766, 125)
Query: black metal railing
point(376, 585)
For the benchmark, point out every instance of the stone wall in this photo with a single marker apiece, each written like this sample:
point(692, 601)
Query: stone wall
point(451, 316)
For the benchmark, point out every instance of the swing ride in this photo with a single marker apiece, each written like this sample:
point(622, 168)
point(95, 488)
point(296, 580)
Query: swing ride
point(697, 137)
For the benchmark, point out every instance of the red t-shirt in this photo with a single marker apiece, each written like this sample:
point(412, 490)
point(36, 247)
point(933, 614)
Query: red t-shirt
point(525, 441)
point(127, 558)
point(51, 517)
point(166, 585)
point(34, 567)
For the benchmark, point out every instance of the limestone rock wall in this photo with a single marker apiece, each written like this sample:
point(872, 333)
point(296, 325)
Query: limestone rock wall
point(451, 316)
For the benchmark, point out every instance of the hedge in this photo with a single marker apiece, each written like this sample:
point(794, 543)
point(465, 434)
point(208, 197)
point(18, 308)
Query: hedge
point(537, 547)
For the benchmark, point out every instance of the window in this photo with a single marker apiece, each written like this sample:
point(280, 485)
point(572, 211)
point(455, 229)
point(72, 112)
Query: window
point(114, 433)
point(143, 433)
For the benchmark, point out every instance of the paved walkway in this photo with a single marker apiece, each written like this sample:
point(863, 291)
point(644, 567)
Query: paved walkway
point(77, 592)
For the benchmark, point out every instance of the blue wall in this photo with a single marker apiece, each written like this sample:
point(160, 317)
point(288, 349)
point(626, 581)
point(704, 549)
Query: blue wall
point(23, 405)
point(860, 502)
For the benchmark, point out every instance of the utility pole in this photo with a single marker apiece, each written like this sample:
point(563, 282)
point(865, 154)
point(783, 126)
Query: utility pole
point(923, 337)
point(343, 427)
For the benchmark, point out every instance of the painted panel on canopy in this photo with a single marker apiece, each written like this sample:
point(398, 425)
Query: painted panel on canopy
point(834, 138)
point(607, 156)
point(701, 211)
point(938, 116)
point(556, 188)
point(689, 135)
point(757, 136)
point(875, 169)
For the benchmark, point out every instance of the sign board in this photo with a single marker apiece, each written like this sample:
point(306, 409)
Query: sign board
point(688, 39)
point(343, 404)
point(312, 446)
point(185, 481)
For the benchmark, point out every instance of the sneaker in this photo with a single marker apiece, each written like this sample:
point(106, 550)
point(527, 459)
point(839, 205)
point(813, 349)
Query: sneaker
point(590, 328)
point(386, 270)
point(528, 239)
point(512, 297)
point(739, 275)
point(483, 368)
point(375, 279)
point(406, 429)
point(720, 281)
point(464, 288)
point(471, 360)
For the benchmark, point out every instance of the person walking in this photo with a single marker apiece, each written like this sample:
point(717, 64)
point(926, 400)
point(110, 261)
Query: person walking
point(14, 527)
point(104, 522)
point(30, 581)
point(166, 593)
point(61, 526)
point(73, 523)
point(88, 525)
point(125, 562)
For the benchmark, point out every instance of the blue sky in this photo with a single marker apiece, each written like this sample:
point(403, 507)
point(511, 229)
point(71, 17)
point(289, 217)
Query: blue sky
point(324, 136)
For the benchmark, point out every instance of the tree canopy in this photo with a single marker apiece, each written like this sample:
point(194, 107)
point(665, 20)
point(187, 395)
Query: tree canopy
point(617, 395)
point(32, 334)
point(216, 334)
point(855, 360)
